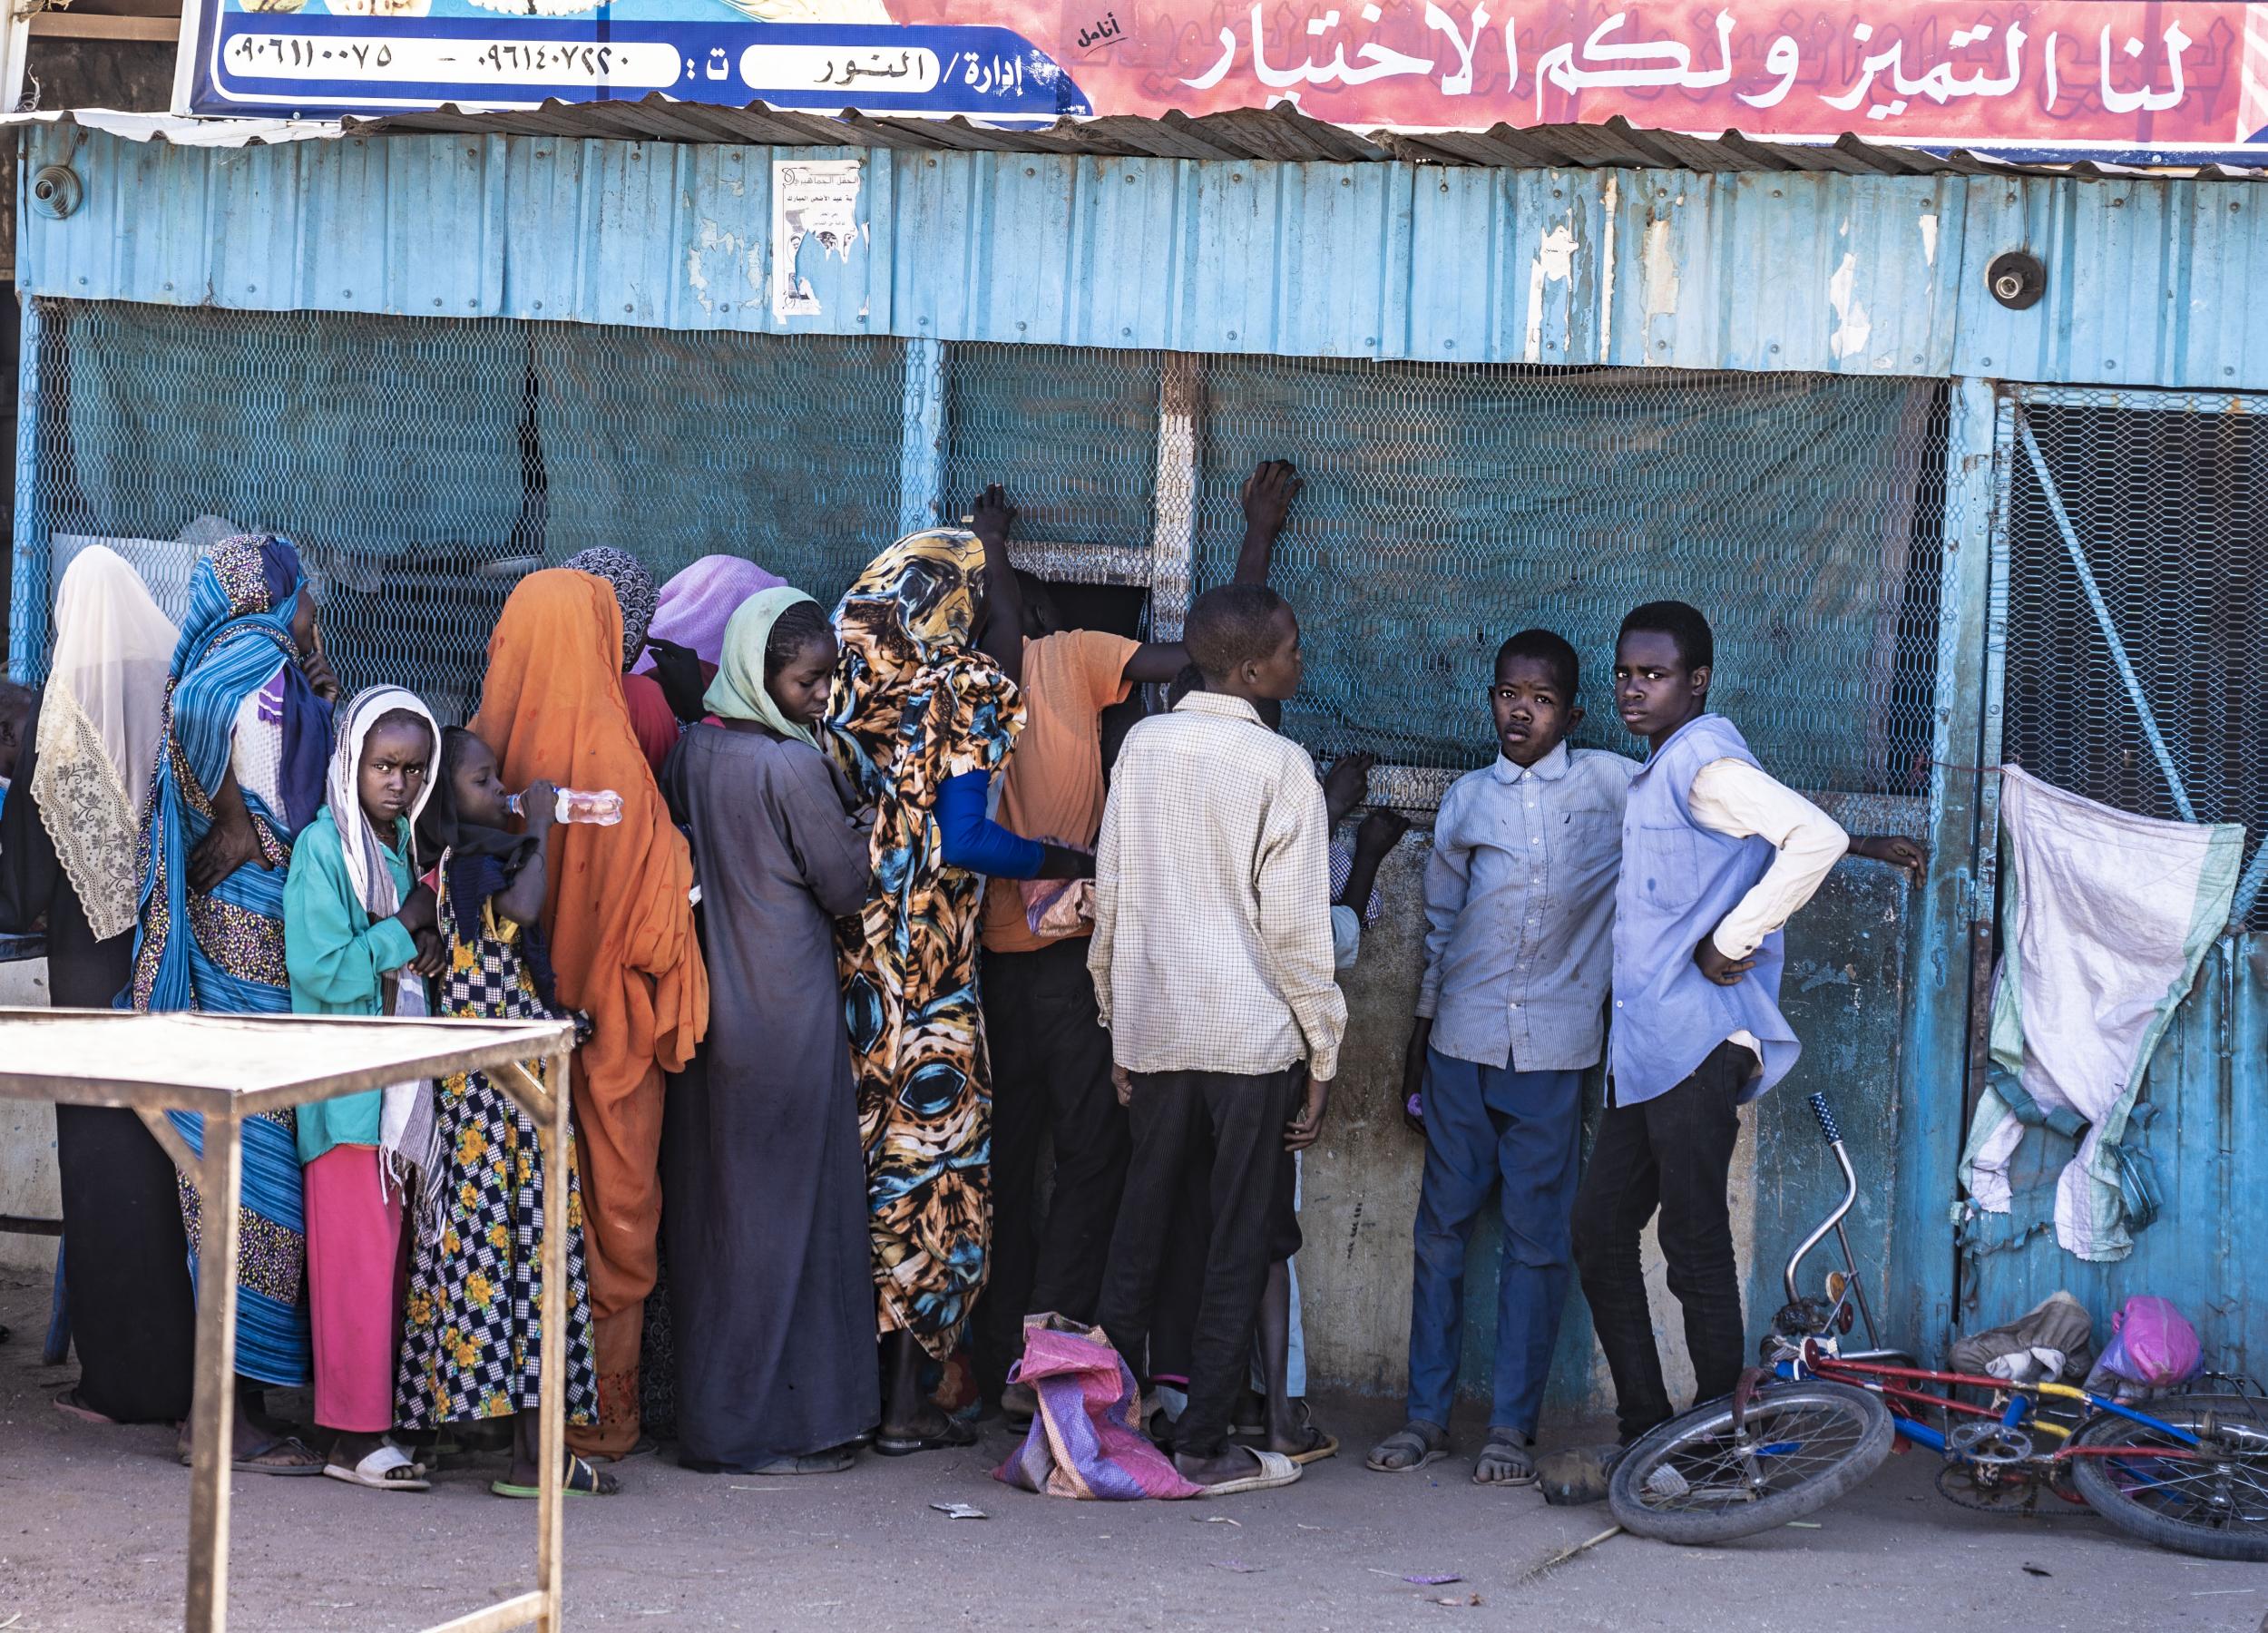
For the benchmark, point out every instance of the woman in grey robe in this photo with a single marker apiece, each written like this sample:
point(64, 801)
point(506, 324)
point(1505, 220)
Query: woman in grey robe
point(764, 1184)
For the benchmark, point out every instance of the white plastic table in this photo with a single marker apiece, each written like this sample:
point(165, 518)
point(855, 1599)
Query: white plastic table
point(231, 1066)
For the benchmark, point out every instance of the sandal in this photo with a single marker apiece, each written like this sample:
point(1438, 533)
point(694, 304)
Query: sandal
point(582, 1481)
point(303, 1458)
point(1507, 1449)
point(832, 1461)
point(387, 1469)
point(1408, 1448)
point(954, 1434)
point(70, 1405)
point(1275, 1469)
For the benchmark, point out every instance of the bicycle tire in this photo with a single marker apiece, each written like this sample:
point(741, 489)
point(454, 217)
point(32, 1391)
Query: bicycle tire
point(2148, 1508)
point(1856, 1425)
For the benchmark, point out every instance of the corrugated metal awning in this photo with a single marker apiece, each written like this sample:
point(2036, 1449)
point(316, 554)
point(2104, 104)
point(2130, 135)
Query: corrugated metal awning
point(1283, 134)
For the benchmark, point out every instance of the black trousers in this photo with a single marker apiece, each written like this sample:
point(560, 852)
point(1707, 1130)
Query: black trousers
point(1673, 1153)
point(1174, 1117)
point(1051, 1078)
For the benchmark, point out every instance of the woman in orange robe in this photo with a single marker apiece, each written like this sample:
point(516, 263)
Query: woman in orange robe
point(619, 915)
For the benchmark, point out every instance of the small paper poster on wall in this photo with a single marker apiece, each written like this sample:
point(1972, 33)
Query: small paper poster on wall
point(814, 213)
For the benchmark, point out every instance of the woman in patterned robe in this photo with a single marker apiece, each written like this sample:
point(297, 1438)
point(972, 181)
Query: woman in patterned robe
point(916, 706)
point(240, 772)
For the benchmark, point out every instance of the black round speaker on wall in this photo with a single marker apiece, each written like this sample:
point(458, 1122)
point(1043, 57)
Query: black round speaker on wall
point(2017, 280)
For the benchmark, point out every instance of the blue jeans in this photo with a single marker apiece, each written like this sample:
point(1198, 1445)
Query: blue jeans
point(1486, 1125)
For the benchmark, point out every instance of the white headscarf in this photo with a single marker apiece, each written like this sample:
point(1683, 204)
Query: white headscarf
point(409, 1136)
point(100, 718)
point(342, 791)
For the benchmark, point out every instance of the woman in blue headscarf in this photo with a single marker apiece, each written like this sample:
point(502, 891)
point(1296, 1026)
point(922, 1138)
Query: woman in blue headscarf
point(245, 744)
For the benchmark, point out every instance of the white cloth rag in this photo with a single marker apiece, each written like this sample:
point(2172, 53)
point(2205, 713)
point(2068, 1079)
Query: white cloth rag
point(2104, 919)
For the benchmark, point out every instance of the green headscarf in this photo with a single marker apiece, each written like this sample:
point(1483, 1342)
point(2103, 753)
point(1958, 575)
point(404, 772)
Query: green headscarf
point(739, 693)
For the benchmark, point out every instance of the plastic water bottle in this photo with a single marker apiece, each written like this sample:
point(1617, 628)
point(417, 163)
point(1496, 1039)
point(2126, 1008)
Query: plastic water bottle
point(600, 807)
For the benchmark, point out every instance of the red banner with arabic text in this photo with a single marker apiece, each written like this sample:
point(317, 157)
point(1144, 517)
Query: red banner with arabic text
point(2103, 77)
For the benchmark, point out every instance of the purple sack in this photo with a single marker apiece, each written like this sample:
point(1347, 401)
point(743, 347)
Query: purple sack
point(2152, 1344)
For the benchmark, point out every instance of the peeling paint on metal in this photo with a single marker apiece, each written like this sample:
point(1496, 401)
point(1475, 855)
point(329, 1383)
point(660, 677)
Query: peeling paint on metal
point(1554, 262)
point(1607, 269)
point(1660, 264)
point(1928, 238)
point(1852, 325)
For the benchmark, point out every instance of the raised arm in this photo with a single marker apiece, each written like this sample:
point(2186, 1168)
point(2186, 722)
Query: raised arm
point(1268, 498)
point(1003, 635)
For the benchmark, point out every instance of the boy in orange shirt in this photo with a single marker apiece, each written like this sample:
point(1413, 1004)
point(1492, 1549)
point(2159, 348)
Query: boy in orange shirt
point(1050, 1055)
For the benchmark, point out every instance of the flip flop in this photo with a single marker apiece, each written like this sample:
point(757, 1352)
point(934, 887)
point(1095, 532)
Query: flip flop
point(249, 1462)
point(810, 1462)
point(387, 1469)
point(67, 1402)
point(1405, 1439)
point(1319, 1446)
point(582, 1481)
point(955, 1433)
point(1275, 1469)
point(1507, 1449)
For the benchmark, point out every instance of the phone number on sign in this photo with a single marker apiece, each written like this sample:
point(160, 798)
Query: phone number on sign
point(653, 66)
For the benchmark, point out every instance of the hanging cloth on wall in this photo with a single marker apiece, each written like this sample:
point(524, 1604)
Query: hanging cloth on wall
point(2104, 922)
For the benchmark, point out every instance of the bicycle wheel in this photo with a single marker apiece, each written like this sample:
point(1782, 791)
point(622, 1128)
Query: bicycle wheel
point(2214, 1505)
point(1799, 1447)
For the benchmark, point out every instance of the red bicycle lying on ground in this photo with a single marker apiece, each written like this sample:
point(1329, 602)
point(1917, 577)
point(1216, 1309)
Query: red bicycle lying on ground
point(1812, 1422)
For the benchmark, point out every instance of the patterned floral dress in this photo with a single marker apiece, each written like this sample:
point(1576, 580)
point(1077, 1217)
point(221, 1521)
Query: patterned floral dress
point(472, 1346)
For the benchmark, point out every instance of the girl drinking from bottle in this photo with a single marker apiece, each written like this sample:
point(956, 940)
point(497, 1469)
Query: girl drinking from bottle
point(473, 1346)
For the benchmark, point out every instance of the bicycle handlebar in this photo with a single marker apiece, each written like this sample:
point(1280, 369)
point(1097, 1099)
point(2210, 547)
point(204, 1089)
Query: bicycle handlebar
point(1826, 1119)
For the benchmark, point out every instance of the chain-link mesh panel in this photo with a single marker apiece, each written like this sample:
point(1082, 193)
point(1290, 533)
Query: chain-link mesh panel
point(1447, 506)
point(2167, 507)
point(1070, 433)
point(678, 446)
point(424, 464)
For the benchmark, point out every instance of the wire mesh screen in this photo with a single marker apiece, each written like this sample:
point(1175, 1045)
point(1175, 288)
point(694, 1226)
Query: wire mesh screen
point(425, 464)
point(1447, 506)
point(2167, 509)
point(1070, 433)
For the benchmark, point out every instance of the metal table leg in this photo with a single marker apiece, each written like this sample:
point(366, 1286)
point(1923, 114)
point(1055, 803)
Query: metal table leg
point(212, 1428)
point(551, 1439)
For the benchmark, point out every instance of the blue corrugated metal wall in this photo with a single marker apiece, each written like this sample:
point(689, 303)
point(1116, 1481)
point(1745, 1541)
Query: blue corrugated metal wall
point(1780, 270)
point(1872, 276)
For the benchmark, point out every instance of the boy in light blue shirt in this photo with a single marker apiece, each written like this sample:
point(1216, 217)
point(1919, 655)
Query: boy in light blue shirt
point(1519, 950)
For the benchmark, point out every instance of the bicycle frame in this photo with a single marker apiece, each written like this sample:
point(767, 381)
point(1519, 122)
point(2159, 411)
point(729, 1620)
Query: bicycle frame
point(2016, 1405)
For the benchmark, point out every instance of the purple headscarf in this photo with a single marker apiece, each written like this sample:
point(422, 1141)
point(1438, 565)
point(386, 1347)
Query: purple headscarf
point(697, 603)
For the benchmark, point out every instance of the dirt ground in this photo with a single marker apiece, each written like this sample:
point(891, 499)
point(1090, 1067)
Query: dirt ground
point(93, 1523)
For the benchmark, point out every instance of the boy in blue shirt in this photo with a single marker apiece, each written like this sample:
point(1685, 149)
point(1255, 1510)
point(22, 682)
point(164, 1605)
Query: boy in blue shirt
point(1518, 906)
point(1717, 857)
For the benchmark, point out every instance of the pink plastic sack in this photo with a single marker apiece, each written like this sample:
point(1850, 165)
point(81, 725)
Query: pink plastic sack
point(1083, 1442)
point(2152, 1344)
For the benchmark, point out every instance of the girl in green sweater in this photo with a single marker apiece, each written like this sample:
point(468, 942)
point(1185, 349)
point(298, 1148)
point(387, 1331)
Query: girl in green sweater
point(360, 939)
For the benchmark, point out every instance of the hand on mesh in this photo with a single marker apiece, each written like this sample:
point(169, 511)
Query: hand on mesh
point(992, 515)
point(1268, 494)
